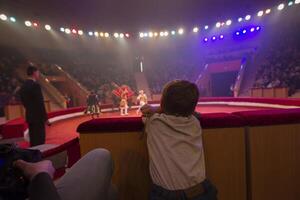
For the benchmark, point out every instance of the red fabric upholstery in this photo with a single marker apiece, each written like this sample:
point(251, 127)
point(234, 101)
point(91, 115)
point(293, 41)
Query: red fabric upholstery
point(111, 125)
point(278, 101)
point(221, 120)
point(270, 117)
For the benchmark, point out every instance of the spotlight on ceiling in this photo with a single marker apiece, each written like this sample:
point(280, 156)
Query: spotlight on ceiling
point(240, 19)
point(67, 31)
point(205, 39)
point(280, 6)
point(28, 23)
point(195, 29)
point(218, 24)
point(228, 22)
point(101, 34)
point(3, 17)
point(12, 19)
point(260, 13)
point(206, 27)
point(173, 32)
point(80, 32)
point(166, 33)
point(291, 3)
point(127, 35)
point(252, 29)
point(35, 24)
point(180, 31)
point(221, 37)
point(297, 1)
point(268, 11)
point(62, 29)
point(121, 35)
point(106, 35)
point(141, 35)
point(74, 31)
point(91, 33)
point(96, 34)
point(150, 34)
point(248, 17)
point(116, 35)
point(47, 27)
point(237, 33)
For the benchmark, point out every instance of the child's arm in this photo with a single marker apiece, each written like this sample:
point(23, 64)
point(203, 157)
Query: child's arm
point(148, 110)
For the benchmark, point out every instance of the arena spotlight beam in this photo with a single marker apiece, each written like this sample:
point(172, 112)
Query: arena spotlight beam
point(121, 35)
point(173, 32)
point(116, 35)
point(161, 34)
point(166, 33)
point(206, 27)
point(195, 29)
point(141, 35)
point(3, 17)
point(96, 34)
point(280, 6)
point(218, 24)
point(91, 33)
point(62, 29)
point(101, 34)
point(106, 35)
point(240, 19)
point(297, 1)
point(291, 3)
point(150, 34)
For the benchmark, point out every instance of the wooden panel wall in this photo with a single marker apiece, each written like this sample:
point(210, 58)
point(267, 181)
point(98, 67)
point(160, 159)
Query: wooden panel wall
point(225, 161)
point(274, 153)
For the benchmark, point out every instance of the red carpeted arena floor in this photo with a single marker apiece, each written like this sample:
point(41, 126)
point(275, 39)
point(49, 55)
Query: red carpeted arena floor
point(65, 130)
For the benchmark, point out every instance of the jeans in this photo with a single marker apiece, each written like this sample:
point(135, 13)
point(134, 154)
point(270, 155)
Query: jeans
point(159, 193)
point(89, 178)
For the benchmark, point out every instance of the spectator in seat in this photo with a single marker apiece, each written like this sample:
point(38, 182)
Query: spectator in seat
point(174, 140)
point(89, 178)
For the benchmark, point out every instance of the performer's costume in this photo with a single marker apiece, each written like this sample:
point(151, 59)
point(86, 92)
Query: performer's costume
point(142, 99)
point(124, 93)
point(93, 105)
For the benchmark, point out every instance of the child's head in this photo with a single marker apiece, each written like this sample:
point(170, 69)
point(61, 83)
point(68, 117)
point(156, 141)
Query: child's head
point(179, 98)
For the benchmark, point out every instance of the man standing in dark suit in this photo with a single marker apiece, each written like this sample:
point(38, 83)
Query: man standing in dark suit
point(33, 101)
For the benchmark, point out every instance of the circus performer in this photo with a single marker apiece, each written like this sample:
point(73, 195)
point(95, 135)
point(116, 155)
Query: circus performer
point(123, 93)
point(142, 100)
point(93, 107)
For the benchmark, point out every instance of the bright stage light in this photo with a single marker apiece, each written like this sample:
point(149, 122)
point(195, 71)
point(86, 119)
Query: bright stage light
point(213, 38)
point(221, 37)
point(244, 31)
point(180, 31)
point(116, 35)
point(91, 33)
point(237, 33)
point(12, 19)
point(155, 34)
point(28, 23)
point(291, 3)
point(62, 29)
point(248, 17)
point(173, 32)
point(252, 29)
point(145, 34)
point(206, 27)
point(297, 1)
point(228, 22)
point(74, 31)
point(166, 33)
point(96, 34)
point(141, 35)
point(35, 24)
point(280, 6)
point(150, 34)
point(268, 11)
point(3, 17)
point(218, 24)
point(47, 27)
point(121, 35)
point(260, 13)
point(240, 19)
point(101, 34)
point(106, 35)
point(195, 29)
point(161, 34)
point(205, 39)
point(67, 31)
point(258, 28)
point(80, 32)
point(127, 35)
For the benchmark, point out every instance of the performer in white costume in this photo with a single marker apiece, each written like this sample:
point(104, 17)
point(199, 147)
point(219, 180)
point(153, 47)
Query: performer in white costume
point(142, 99)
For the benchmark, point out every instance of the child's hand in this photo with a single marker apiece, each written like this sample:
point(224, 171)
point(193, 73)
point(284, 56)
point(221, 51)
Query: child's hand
point(147, 110)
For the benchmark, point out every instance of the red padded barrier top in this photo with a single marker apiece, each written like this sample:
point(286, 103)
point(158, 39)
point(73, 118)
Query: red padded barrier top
point(270, 117)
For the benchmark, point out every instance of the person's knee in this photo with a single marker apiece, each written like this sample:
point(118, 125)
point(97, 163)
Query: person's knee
point(101, 156)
